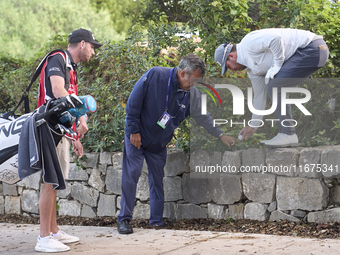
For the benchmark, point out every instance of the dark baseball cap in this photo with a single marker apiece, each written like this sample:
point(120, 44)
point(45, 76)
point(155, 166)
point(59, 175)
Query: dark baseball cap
point(221, 55)
point(82, 34)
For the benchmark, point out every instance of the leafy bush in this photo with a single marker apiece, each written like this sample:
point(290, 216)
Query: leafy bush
point(323, 18)
point(110, 76)
point(27, 25)
point(318, 16)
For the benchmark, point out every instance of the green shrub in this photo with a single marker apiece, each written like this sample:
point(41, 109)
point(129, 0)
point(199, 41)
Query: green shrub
point(110, 76)
point(26, 26)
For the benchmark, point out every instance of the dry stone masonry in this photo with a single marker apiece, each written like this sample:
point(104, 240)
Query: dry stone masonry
point(259, 184)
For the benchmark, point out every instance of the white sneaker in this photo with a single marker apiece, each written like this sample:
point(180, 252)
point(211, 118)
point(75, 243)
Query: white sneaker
point(282, 140)
point(61, 236)
point(49, 244)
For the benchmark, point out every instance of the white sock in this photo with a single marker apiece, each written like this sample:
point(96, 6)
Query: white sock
point(54, 235)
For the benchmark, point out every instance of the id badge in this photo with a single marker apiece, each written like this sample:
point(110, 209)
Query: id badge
point(164, 120)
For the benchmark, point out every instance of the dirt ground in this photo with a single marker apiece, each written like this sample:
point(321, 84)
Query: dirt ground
point(284, 228)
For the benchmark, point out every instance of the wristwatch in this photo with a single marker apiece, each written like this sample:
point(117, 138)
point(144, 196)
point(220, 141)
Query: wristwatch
point(221, 135)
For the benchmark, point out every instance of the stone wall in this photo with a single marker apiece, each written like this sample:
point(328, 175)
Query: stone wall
point(257, 184)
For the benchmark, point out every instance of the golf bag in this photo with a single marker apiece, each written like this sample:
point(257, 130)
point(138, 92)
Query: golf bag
point(56, 114)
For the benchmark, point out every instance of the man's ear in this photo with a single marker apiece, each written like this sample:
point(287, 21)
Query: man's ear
point(232, 55)
point(82, 44)
point(182, 74)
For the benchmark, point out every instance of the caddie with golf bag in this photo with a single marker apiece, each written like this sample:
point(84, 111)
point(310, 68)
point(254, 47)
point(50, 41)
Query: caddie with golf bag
point(58, 115)
point(59, 108)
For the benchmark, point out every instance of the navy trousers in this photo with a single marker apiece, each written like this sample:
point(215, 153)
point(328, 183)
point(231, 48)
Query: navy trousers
point(293, 72)
point(133, 160)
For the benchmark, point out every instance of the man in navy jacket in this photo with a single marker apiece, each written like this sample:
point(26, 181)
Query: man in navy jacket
point(157, 105)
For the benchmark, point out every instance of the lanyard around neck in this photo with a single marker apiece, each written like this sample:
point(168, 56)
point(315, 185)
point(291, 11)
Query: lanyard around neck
point(168, 92)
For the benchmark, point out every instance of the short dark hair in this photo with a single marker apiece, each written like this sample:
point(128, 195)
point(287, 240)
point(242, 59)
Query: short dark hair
point(190, 63)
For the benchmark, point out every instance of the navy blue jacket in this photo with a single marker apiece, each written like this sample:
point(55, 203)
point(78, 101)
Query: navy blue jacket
point(146, 105)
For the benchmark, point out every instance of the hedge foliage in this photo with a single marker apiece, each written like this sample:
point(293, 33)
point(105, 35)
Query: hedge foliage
point(110, 76)
point(26, 26)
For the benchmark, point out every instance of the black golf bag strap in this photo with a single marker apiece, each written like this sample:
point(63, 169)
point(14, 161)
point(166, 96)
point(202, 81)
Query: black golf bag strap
point(24, 96)
point(7, 115)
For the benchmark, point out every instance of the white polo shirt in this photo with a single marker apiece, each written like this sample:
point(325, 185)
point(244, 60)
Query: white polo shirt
point(261, 49)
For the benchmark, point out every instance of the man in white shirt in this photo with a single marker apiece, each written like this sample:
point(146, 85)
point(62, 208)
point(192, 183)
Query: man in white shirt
point(270, 56)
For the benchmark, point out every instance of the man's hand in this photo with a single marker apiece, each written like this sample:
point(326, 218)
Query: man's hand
point(77, 148)
point(247, 132)
point(135, 140)
point(82, 128)
point(271, 73)
point(228, 140)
